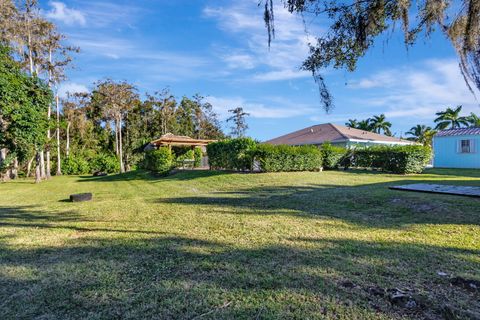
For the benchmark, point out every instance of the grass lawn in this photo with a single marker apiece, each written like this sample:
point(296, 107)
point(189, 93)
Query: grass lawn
point(329, 245)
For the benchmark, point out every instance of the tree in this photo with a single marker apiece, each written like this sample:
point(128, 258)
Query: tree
point(422, 134)
point(116, 99)
point(450, 118)
point(354, 25)
point(364, 125)
point(185, 115)
point(24, 101)
point(352, 123)
point(74, 111)
point(239, 122)
point(379, 124)
point(473, 120)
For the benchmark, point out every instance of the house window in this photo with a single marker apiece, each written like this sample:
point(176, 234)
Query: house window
point(465, 146)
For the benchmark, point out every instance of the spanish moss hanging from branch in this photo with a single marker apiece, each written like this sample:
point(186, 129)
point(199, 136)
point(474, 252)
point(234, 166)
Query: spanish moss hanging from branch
point(355, 24)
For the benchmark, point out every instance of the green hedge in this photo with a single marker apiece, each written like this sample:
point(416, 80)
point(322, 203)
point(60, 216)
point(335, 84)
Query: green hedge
point(396, 159)
point(198, 155)
point(89, 163)
point(105, 162)
point(333, 156)
point(160, 160)
point(276, 158)
point(231, 154)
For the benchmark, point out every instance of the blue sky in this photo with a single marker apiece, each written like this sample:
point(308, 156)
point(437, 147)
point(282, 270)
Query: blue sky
point(219, 49)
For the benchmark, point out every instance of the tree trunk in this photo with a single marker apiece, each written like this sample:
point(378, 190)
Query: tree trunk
point(42, 165)
point(67, 148)
point(120, 153)
point(3, 156)
point(15, 168)
point(38, 174)
point(57, 133)
point(47, 153)
point(116, 137)
point(29, 166)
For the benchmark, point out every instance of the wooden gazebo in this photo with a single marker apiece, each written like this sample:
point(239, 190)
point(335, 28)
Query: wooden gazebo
point(170, 140)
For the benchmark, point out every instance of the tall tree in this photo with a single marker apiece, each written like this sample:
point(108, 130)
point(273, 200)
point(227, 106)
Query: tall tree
point(117, 98)
point(365, 125)
point(239, 122)
point(450, 118)
point(473, 120)
point(354, 26)
point(379, 124)
point(185, 114)
point(352, 123)
point(422, 134)
point(164, 107)
point(24, 101)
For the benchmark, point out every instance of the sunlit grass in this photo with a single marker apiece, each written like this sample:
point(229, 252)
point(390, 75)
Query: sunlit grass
point(220, 245)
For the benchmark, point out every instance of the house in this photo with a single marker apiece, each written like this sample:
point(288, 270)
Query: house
point(457, 148)
point(337, 135)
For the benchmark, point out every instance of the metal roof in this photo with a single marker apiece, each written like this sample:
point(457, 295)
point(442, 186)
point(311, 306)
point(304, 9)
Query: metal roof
point(458, 132)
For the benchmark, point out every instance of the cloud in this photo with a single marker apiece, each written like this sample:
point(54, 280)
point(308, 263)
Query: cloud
point(416, 92)
point(60, 12)
point(71, 87)
point(282, 60)
point(279, 110)
point(285, 74)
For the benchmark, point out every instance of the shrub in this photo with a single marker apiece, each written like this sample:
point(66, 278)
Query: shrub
point(188, 155)
point(105, 162)
point(231, 154)
point(198, 155)
point(160, 160)
point(276, 158)
point(396, 159)
point(332, 156)
point(75, 164)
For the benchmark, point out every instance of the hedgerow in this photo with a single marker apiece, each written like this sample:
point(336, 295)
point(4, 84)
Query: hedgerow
point(276, 158)
point(159, 160)
point(231, 154)
point(332, 155)
point(395, 159)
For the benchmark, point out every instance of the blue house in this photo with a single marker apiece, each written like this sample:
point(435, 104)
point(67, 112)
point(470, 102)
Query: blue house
point(457, 148)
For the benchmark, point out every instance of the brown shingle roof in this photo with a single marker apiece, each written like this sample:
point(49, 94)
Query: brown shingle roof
point(322, 133)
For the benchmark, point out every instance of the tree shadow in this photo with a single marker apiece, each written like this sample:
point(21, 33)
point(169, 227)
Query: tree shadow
point(144, 175)
point(370, 205)
point(29, 217)
point(179, 277)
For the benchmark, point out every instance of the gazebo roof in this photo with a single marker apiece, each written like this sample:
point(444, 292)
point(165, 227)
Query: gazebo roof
point(173, 140)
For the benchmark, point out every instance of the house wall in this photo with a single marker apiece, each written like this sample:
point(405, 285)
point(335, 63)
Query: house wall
point(447, 156)
point(358, 144)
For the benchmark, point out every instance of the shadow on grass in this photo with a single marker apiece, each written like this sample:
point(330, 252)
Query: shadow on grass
point(29, 217)
point(372, 205)
point(151, 176)
point(178, 277)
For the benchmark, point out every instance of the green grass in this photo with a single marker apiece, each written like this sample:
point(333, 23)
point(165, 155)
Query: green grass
point(220, 245)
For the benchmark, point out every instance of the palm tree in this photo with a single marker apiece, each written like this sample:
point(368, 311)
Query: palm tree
point(422, 134)
point(352, 123)
point(473, 120)
point(450, 118)
point(379, 124)
point(364, 125)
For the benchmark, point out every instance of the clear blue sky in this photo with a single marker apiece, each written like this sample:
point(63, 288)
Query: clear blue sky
point(219, 49)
